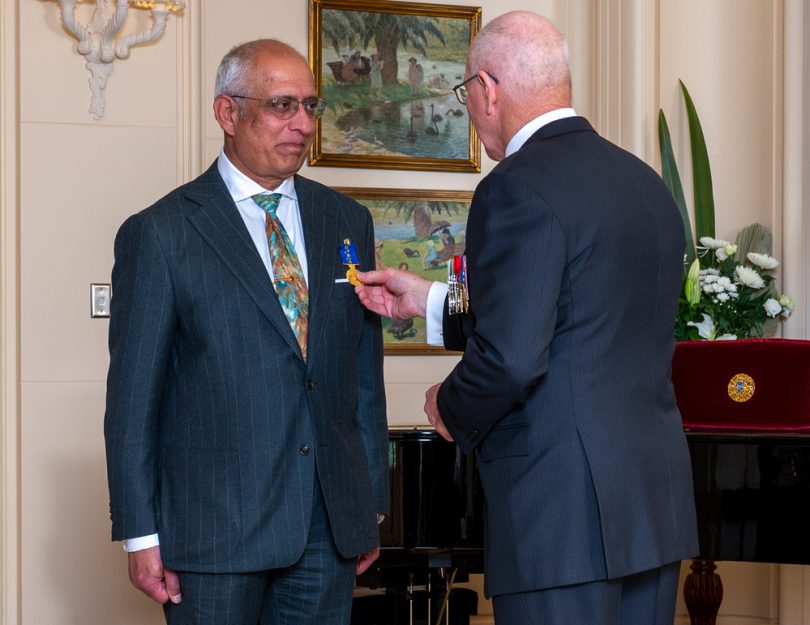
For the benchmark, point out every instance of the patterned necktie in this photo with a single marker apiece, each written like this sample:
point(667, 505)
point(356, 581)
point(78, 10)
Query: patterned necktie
point(289, 282)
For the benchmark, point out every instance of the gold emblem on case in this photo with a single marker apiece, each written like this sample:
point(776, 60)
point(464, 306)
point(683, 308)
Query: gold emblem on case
point(741, 387)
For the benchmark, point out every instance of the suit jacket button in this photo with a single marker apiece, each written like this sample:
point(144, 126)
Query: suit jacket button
point(304, 450)
point(310, 385)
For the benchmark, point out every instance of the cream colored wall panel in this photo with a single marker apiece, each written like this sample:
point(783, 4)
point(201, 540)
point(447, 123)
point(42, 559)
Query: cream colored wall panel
point(141, 90)
point(724, 51)
point(405, 404)
point(742, 191)
point(746, 591)
point(72, 574)
point(419, 369)
point(78, 184)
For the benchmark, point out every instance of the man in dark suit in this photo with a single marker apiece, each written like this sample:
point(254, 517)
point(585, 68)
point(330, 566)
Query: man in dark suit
point(574, 264)
point(245, 425)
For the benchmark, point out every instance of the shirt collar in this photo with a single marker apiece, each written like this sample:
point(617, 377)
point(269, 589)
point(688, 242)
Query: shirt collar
point(522, 135)
point(241, 187)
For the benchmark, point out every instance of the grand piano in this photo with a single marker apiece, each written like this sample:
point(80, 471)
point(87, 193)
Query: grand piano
point(750, 464)
point(432, 540)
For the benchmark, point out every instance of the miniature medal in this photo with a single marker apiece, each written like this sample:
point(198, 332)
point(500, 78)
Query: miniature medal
point(458, 301)
point(348, 256)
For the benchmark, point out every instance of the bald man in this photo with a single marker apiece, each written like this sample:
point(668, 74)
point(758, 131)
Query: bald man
point(574, 263)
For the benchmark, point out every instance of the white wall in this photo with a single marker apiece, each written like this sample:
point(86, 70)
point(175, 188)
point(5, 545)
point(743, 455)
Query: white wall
point(70, 181)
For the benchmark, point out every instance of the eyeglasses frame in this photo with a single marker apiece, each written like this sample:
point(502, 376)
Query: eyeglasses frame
point(459, 86)
point(316, 114)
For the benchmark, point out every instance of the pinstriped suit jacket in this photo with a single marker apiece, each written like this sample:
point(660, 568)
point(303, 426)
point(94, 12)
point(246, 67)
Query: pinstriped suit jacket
point(575, 259)
point(209, 402)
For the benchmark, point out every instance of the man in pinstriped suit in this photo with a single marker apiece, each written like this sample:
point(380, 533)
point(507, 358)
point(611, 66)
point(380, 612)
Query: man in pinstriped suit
point(574, 259)
point(246, 475)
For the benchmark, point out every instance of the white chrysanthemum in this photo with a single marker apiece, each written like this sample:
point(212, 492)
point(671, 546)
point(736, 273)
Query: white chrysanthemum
point(772, 307)
point(722, 297)
point(713, 244)
point(722, 253)
point(748, 277)
point(762, 260)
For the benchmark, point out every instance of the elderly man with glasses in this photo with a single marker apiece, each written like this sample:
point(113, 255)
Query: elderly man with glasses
point(245, 425)
point(564, 308)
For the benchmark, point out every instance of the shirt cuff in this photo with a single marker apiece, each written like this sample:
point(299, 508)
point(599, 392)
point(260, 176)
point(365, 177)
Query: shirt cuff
point(140, 543)
point(434, 312)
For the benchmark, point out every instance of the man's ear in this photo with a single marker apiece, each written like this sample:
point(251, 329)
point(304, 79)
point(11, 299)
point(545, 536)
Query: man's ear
point(226, 111)
point(490, 91)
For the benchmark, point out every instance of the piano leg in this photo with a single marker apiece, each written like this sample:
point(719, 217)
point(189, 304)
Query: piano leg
point(427, 588)
point(703, 592)
point(410, 598)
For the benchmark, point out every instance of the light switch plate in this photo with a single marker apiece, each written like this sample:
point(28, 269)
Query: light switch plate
point(100, 300)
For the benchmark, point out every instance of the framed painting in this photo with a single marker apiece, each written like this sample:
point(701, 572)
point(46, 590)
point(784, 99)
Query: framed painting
point(418, 231)
point(386, 70)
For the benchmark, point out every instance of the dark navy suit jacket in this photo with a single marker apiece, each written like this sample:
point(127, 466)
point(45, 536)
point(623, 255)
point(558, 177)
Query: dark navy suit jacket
point(216, 429)
point(575, 259)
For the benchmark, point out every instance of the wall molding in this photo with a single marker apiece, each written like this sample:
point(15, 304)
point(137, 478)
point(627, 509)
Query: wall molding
point(795, 174)
point(628, 74)
point(190, 128)
point(9, 319)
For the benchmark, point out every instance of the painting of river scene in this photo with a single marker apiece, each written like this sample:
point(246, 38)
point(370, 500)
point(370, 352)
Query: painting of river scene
point(419, 231)
point(386, 71)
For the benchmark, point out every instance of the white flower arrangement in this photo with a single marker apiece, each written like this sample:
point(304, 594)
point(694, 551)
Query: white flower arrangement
point(725, 297)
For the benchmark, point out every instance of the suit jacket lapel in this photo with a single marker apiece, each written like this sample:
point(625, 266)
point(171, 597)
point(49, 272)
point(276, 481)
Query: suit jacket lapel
point(320, 223)
point(218, 222)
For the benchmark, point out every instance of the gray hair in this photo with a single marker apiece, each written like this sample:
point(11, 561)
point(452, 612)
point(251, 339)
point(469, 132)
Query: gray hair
point(233, 72)
point(525, 52)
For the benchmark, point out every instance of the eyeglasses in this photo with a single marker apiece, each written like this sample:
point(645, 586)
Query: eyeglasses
point(285, 107)
point(461, 91)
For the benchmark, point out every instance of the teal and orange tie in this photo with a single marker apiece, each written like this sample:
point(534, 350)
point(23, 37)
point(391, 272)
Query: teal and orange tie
point(288, 278)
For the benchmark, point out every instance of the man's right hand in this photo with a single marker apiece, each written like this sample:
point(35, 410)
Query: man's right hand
point(393, 293)
point(147, 574)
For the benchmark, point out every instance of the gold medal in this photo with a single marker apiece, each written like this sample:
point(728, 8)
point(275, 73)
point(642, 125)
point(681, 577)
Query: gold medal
point(351, 276)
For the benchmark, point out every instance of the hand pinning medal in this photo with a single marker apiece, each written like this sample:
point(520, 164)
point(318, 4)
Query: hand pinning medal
point(348, 256)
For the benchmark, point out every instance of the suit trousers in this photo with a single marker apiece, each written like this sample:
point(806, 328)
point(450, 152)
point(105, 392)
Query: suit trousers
point(316, 590)
point(646, 598)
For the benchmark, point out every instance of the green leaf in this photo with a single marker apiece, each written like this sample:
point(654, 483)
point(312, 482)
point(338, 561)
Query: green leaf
point(669, 172)
point(701, 172)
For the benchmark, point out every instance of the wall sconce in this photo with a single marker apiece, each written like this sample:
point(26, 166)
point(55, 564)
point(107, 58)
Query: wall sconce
point(99, 42)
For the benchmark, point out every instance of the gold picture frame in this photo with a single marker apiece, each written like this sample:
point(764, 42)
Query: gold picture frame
point(386, 70)
point(418, 230)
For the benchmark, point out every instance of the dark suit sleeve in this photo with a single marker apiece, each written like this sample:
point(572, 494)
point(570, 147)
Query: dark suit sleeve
point(516, 258)
point(142, 324)
point(371, 397)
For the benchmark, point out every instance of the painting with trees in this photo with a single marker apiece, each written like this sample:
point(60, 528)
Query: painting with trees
point(386, 70)
point(419, 231)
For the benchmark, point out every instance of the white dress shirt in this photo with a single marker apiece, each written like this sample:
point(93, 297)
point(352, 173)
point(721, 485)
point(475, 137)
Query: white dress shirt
point(438, 290)
point(242, 189)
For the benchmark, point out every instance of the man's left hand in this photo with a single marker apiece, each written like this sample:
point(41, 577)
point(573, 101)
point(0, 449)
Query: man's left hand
point(432, 412)
point(365, 560)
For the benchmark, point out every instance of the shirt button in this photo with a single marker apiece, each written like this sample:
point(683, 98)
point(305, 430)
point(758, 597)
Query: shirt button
point(304, 450)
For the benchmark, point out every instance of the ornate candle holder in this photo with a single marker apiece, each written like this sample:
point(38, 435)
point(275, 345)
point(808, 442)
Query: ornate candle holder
point(99, 41)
